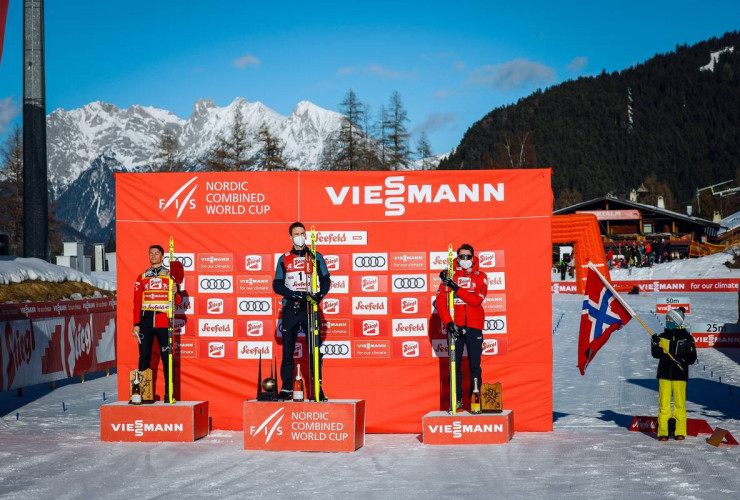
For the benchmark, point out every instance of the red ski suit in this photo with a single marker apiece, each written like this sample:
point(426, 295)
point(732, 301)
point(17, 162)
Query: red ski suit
point(150, 298)
point(468, 298)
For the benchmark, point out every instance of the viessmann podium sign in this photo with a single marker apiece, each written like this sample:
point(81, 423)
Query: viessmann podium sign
point(384, 236)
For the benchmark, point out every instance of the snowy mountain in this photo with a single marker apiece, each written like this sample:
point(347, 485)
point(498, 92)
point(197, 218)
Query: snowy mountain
point(86, 145)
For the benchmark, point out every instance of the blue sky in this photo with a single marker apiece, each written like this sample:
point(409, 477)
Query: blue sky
point(452, 62)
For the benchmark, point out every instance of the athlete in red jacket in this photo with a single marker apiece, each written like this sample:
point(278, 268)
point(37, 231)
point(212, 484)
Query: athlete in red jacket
point(470, 288)
point(150, 311)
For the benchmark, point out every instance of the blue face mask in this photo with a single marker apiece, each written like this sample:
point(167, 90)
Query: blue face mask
point(670, 324)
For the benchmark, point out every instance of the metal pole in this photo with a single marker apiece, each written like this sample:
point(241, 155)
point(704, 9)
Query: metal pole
point(35, 194)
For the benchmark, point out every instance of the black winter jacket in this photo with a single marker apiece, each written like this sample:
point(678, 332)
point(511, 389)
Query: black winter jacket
point(681, 346)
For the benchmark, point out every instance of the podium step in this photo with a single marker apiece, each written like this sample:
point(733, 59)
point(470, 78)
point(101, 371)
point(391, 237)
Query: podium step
point(439, 427)
point(184, 421)
point(337, 425)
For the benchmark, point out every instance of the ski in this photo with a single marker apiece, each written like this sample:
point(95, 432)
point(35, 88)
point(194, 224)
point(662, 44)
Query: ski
point(315, 317)
point(450, 340)
point(171, 324)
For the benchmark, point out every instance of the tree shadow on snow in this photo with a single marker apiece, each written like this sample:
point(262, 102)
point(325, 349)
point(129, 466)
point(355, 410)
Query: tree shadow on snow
point(712, 395)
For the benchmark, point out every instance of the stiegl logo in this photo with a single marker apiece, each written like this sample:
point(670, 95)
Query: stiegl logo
point(180, 203)
point(457, 429)
point(139, 427)
point(395, 194)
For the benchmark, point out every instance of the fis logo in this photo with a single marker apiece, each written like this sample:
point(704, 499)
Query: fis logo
point(180, 202)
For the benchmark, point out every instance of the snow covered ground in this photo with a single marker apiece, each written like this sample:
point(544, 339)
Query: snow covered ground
point(18, 269)
point(51, 453)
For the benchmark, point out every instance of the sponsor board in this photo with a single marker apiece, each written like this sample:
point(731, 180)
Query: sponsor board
point(215, 284)
point(186, 259)
point(440, 349)
point(369, 306)
point(362, 284)
point(409, 327)
point(333, 306)
point(179, 327)
point(438, 260)
point(253, 283)
point(411, 348)
point(665, 304)
point(694, 285)
point(254, 306)
point(410, 305)
point(337, 349)
point(496, 280)
point(494, 302)
point(570, 287)
point(336, 262)
point(187, 306)
point(369, 262)
point(371, 348)
point(217, 349)
point(335, 327)
point(185, 348)
point(334, 427)
point(255, 327)
point(300, 351)
point(215, 327)
point(490, 259)
point(409, 283)
point(716, 335)
point(408, 261)
point(339, 284)
point(185, 421)
point(215, 262)
point(494, 325)
point(257, 263)
point(247, 349)
point(434, 282)
point(495, 346)
point(440, 428)
point(279, 332)
point(215, 306)
point(370, 327)
point(335, 238)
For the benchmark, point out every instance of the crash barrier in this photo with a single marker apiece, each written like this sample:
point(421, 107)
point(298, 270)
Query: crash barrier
point(685, 285)
point(49, 341)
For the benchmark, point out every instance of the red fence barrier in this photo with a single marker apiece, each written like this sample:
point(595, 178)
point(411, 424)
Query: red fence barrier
point(46, 341)
point(687, 285)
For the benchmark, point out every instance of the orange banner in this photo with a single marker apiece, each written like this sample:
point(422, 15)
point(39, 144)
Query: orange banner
point(384, 236)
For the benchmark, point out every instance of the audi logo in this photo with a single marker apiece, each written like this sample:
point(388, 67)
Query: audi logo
point(494, 325)
point(254, 305)
point(182, 259)
point(215, 284)
point(409, 283)
point(335, 349)
point(370, 261)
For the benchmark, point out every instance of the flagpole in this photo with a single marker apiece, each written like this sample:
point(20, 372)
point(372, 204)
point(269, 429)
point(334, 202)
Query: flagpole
point(630, 310)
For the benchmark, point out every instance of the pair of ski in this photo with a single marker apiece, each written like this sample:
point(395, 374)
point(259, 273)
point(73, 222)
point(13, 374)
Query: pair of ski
point(312, 337)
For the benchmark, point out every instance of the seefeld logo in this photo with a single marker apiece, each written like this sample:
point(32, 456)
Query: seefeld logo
point(215, 328)
point(412, 327)
point(216, 349)
point(369, 305)
point(410, 349)
point(395, 194)
point(253, 350)
point(180, 203)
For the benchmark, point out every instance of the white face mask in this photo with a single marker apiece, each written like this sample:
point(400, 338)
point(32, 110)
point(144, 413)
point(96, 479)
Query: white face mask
point(299, 241)
point(466, 264)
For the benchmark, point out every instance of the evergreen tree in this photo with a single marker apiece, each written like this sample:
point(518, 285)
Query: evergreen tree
point(397, 137)
point(424, 151)
point(11, 191)
point(230, 155)
point(270, 156)
point(350, 140)
point(166, 154)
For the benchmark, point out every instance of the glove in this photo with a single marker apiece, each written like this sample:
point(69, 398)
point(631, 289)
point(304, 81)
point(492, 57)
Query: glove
point(314, 297)
point(655, 340)
point(447, 281)
point(453, 331)
point(298, 296)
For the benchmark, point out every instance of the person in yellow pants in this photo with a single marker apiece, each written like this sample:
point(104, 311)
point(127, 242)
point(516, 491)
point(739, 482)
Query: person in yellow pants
point(673, 375)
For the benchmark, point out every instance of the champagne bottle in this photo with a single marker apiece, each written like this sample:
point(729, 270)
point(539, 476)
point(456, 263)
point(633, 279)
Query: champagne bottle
point(298, 387)
point(475, 398)
point(136, 390)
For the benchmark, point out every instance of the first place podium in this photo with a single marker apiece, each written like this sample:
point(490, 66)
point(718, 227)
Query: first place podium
point(336, 425)
point(183, 421)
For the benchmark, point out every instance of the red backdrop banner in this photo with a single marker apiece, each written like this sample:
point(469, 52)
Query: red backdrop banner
point(380, 233)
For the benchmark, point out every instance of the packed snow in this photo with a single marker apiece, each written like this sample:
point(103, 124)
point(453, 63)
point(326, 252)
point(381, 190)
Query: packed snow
point(714, 59)
point(19, 269)
point(47, 452)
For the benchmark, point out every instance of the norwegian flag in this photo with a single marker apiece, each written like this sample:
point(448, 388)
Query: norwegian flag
point(604, 311)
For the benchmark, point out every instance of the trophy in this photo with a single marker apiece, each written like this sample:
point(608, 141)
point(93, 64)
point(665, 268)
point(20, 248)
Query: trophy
point(267, 389)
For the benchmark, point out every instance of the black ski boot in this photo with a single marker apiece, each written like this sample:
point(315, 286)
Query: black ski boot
point(285, 395)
